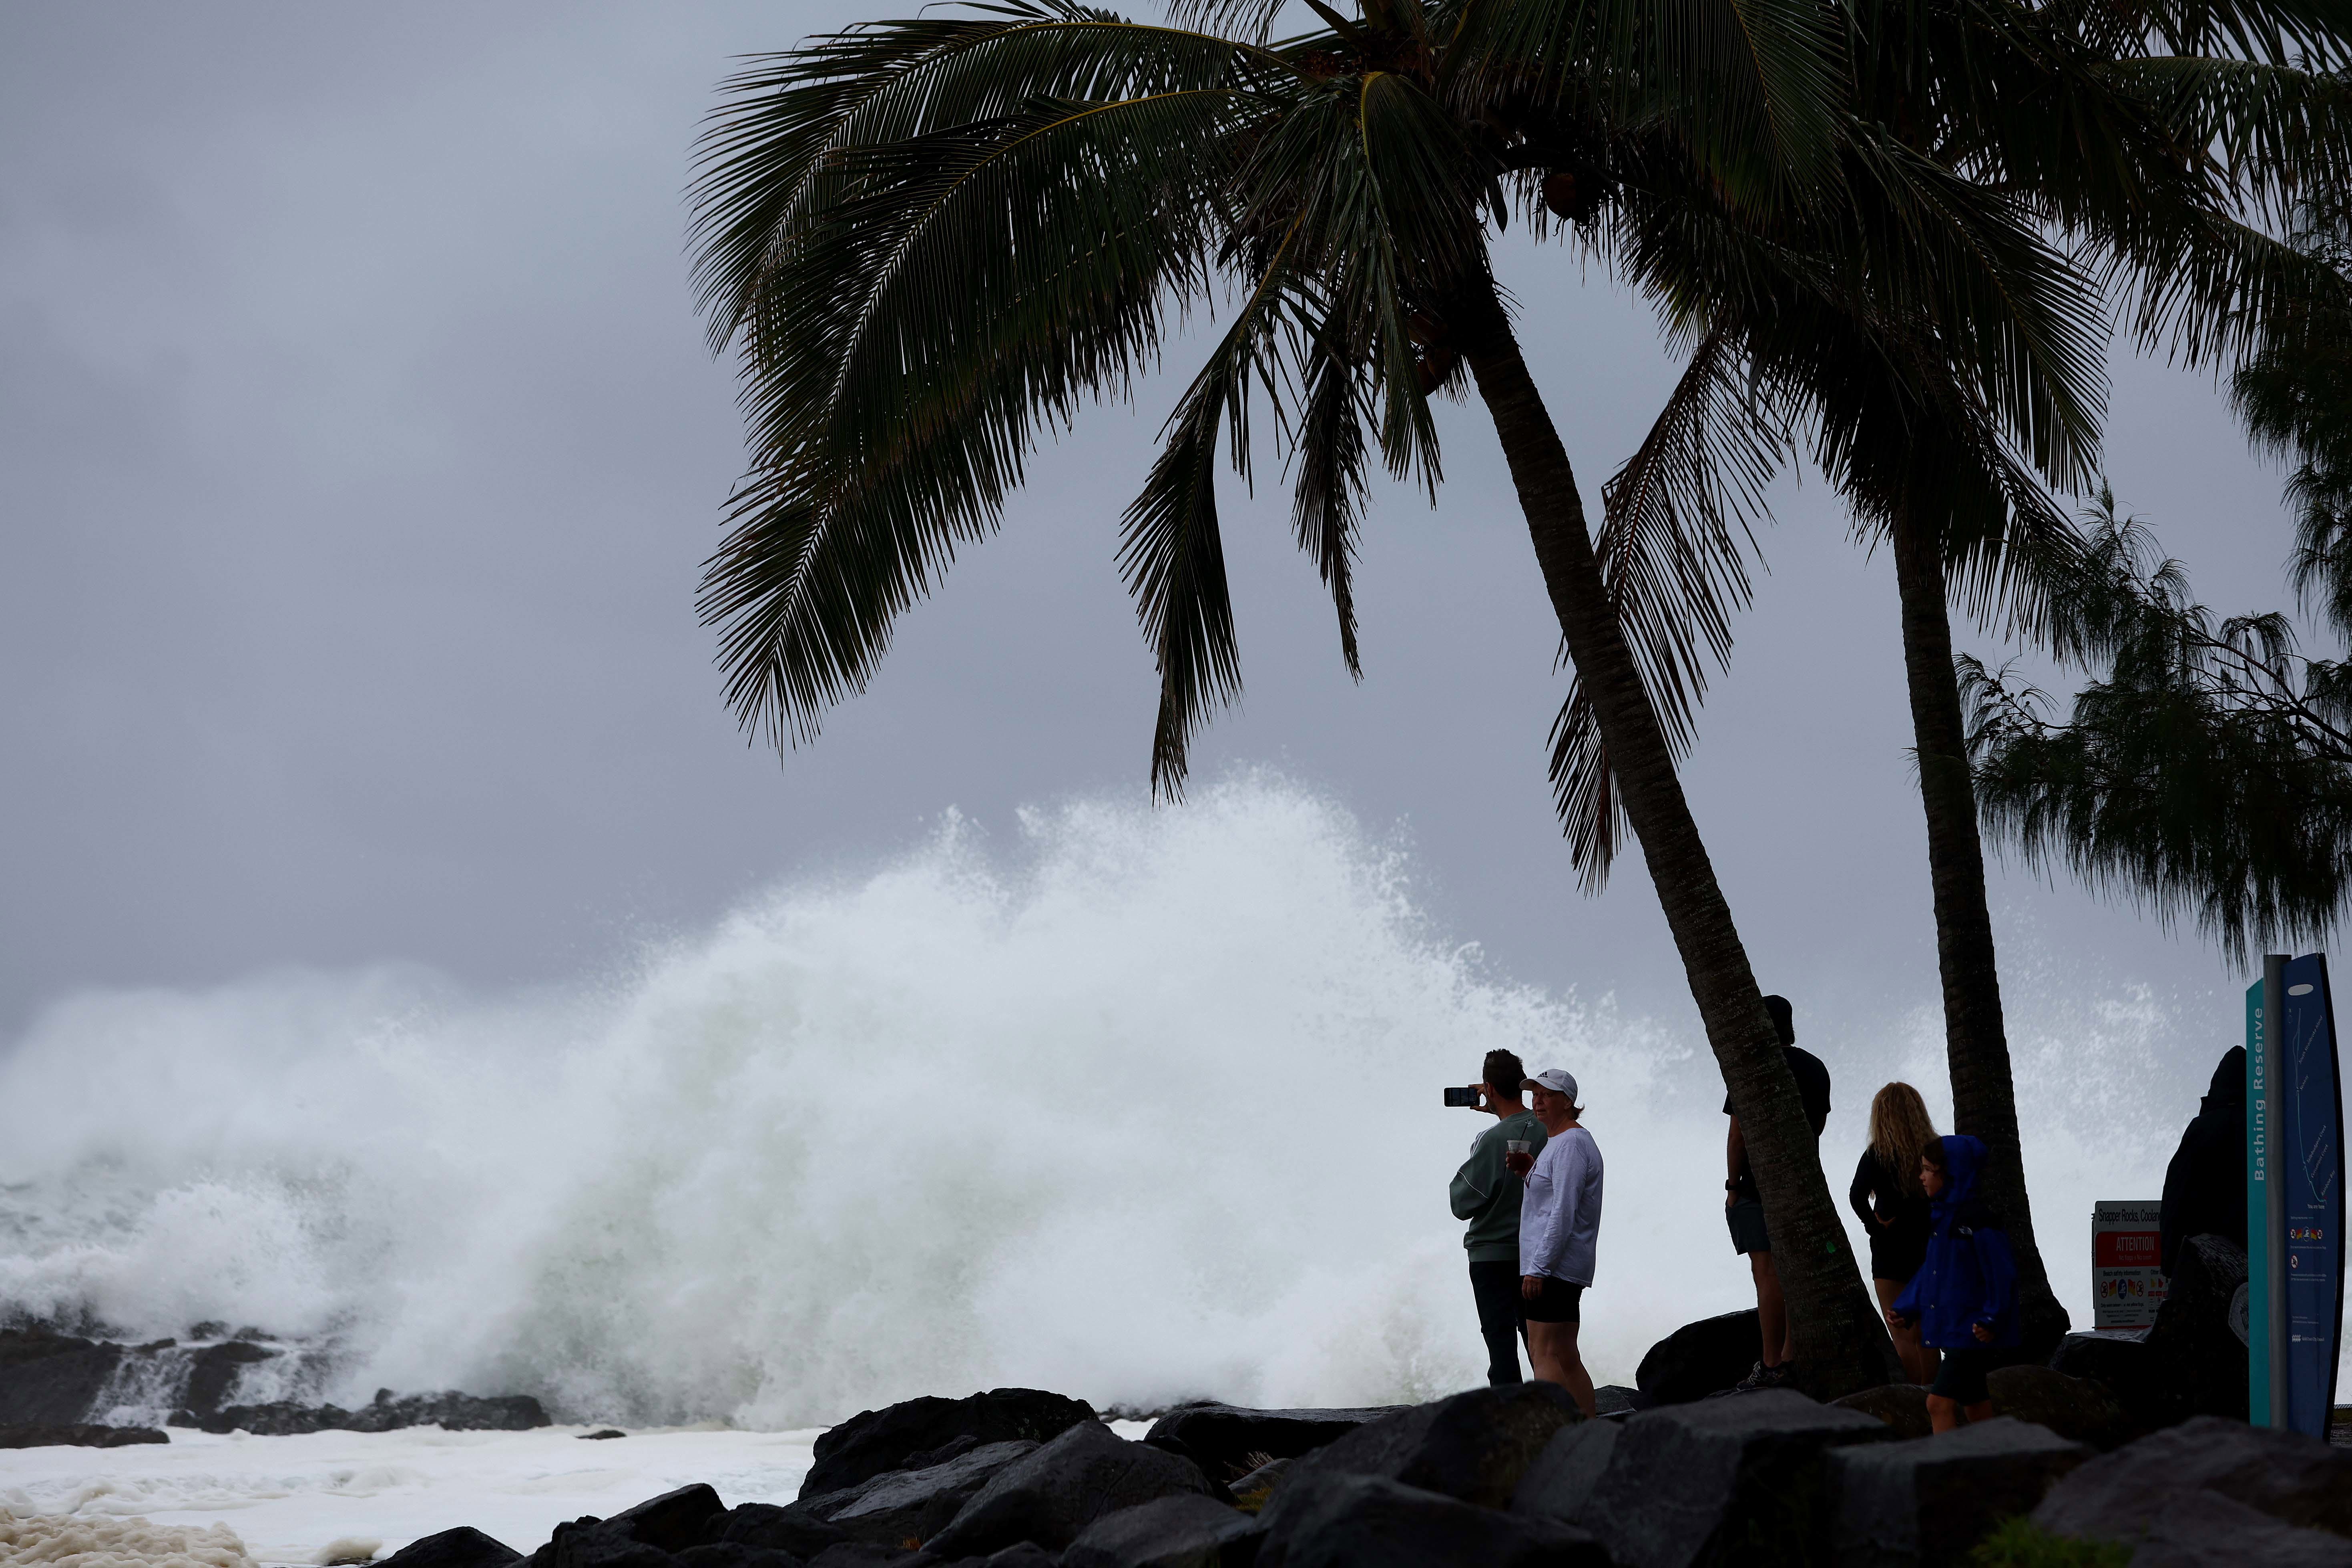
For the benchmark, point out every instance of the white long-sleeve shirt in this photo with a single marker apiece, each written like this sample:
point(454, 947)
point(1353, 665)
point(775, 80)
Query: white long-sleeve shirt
point(1560, 1218)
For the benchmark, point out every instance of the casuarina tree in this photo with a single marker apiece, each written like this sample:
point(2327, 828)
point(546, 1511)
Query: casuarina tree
point(928, 239)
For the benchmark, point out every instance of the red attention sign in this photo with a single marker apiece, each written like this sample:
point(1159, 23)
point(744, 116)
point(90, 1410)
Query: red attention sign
point(2124, 1249)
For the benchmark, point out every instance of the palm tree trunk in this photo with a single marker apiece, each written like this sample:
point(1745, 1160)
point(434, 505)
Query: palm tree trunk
point(1976, 1043)
point(1840, 1342)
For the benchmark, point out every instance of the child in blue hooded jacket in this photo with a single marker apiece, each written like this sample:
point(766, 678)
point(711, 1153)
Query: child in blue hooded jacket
point(1964, 1298)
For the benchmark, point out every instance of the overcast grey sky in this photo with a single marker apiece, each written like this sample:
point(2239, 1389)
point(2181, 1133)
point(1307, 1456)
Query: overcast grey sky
point(358, 451)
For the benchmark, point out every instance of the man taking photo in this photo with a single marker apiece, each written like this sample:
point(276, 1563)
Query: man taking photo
point(1486, 1193)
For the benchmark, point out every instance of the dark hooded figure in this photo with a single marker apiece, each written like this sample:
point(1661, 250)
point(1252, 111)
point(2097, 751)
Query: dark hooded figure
point(1964, 1298)
point(2205, 1185)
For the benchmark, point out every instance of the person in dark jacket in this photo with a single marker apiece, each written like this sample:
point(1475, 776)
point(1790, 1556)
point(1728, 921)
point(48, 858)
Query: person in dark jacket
point(2205, 1185)
point(1893, 1205)
point(1743, 1205)
point(1964, 1297)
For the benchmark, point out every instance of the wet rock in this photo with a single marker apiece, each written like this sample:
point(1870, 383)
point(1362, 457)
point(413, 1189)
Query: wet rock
point(1186, 1531)
point(1221, 1439)
point(2283, 1476)
point(608, 1433)
point(1338, 1519)
point(1926, 1503)
point(1724, 1480)
point(901, 1508)
point(28, 1436)
point(734, 1554)
point(213, 1372)
point(1563, 1475)
point(2074, 1408)
point(1473, 1445)
point(793, 1529)
point(1902, 1405)
point(464, 1546)
point(2201, 1352)
point(49, 1379)
point(1050, 1495)
point(874, 1441)
point(1699, 1358)
point(451, 1410)
point(674, 1521)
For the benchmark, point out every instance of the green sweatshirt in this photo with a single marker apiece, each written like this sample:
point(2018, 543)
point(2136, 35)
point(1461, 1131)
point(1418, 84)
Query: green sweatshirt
point(1487, 1193)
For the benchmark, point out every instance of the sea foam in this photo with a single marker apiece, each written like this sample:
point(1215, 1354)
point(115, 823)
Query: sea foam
point(1141, 1108)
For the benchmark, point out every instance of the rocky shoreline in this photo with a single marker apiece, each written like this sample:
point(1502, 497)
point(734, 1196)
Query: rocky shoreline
point(67, 1386)
point(2112, 1450)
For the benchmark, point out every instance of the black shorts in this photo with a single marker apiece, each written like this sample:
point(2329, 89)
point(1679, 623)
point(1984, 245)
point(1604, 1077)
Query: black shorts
point(1896, 1254)
point(1558, 1304)
point(1961, 1377)
point(1746, 1219)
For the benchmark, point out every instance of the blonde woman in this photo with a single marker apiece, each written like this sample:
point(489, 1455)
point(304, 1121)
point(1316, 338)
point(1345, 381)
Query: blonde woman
point(1894, 1209)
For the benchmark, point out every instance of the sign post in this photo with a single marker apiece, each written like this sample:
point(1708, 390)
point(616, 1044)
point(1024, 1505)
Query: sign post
point(2294, 1196)
point(2126, 1280)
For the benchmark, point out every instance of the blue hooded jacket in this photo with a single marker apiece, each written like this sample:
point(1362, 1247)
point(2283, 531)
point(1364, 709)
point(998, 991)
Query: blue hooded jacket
point(1970, 1276)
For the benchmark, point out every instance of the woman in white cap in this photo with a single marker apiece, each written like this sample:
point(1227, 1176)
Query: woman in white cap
point(1559, 1226)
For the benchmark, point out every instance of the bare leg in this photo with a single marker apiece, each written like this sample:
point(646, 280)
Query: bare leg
point(1944, 1414)
point(1552, 1348)
point(1771, 1312)
point(1544, 1353)
point(1980, 1411)
point(1919, 1361)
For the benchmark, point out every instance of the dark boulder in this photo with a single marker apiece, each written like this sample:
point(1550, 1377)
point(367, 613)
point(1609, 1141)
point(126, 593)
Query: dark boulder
point(735, 1554)
point(1052, 1494)
point(1221, 1439)
point(2282, 1475)
point(2201, 1348)
point(1699, 1358)
point(1250, 1492)
point(902, 1507)
point(1929, 1502)
point(1902, 1405)
point(464, 1546)
point(1186, 1531)
point(50, 1379)
point(1616, 1399)
point(870, 1554)
point(873, 1441)
point(673, 1521)
point(793, 1529)
point(1020, 1554)
point(2206, 1530)
point(1724, 1481)
point(1336, 1519)
point(1473, 1445)
point(2132, 1373)
point(1563, 1475)
point(2074, 1408)
point(78, 1435)
point(586, 1543)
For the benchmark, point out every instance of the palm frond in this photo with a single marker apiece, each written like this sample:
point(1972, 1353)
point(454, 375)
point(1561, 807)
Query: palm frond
point(1675, 517)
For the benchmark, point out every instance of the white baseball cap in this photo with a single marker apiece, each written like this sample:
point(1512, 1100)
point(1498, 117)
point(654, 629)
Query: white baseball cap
point(1559, 1080)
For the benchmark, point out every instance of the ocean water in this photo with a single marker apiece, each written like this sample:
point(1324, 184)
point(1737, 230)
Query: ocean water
point(1142, 1106)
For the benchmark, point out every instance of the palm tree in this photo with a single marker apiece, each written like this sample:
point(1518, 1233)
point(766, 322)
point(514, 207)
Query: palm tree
point(928, 237)
point(1922, 388)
